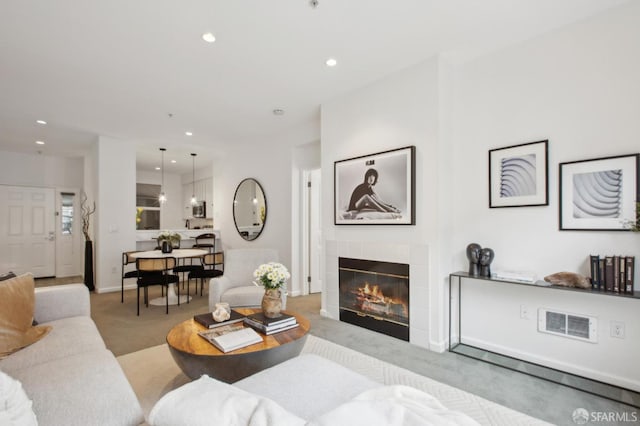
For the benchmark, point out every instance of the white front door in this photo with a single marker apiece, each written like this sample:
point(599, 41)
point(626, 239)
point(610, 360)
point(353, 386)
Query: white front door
point(27, 229)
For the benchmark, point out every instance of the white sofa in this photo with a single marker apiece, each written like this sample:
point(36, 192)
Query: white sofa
point(305, 390)
point(236, 285)
point(69, 374)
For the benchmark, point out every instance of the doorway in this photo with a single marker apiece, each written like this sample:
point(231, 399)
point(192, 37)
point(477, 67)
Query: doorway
point(27, 229)
point(312, 231)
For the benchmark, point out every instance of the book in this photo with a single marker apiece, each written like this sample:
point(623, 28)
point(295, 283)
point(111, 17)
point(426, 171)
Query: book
point(233, 340)
point(519, 276)
point(629, 276)
point(616, 274)
point(595, 271)
point(273, 329)
point(208, 321)
point(268, 328)
point(260, 318)
point(608, 273)
point(601, 277)
point(219, 331)
point(622, 271)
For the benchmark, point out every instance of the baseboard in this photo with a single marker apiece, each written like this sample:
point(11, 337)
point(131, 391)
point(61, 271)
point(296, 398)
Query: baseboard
point(571, 368)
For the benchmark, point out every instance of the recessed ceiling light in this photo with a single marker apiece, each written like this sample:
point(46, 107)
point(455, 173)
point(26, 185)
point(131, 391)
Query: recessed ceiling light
point(157, 168)
point(173, 161)
point(188, 133)
point(278, 111)
point(40, 142)
point(41, 122)
point(331, 62)
point(209, 37)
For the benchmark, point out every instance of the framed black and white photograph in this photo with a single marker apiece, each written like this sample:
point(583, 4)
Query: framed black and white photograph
point(599, 194)
point(376, 189)
point(518, 175)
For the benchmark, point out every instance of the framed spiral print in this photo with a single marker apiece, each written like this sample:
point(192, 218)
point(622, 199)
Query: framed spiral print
point(518, 175)
point(599, 194)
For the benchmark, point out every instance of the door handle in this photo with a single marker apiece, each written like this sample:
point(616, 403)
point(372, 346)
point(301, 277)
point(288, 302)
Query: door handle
point(51, 237)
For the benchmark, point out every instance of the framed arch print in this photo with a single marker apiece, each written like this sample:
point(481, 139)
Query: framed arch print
point(518, 175)
point(599, 194)
point(376, 189)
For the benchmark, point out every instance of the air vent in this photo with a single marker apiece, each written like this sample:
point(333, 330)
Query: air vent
point(573, 326)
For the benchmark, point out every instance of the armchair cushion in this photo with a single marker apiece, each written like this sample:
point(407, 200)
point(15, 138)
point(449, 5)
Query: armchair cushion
point(236, 285)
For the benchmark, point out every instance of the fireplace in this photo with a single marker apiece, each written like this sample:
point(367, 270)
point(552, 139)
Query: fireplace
point(375, 295)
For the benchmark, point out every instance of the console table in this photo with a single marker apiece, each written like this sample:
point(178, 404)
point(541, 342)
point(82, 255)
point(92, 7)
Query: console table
point(456, 344)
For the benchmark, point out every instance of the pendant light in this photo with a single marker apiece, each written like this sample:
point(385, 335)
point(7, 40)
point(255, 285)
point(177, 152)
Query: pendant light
point(162, 198)
point(194, 200)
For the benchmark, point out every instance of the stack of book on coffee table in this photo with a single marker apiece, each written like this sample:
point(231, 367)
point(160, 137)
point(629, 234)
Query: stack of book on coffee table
point(271, 325)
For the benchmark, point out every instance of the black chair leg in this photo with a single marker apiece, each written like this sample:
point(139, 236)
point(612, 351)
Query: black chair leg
point(122, 289)
point(167, 301)
point(138, 301)
point(188, 292)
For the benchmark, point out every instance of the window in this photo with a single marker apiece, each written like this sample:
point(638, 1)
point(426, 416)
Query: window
point(147, 206)
point(67, 212)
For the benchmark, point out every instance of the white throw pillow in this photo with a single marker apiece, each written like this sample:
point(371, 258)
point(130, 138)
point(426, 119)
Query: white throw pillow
point(15, 407)
point(396, 405)
point(207, 401)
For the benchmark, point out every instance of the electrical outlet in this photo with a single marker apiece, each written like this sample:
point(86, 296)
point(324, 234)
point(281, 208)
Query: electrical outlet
point(524, 312)
point(617, 329)
point(114, 269)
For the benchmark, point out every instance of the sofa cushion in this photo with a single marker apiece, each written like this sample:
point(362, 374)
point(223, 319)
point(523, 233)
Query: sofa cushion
point(15, 407)
point(307, 385)
point(17, 304)
point(207, 401)
point(83, 389)
point(69, 336)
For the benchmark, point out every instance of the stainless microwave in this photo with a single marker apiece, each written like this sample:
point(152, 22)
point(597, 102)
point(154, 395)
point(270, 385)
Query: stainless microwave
point(199, 209)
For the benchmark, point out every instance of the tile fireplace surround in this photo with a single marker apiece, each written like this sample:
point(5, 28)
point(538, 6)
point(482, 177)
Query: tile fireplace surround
point(415, 255)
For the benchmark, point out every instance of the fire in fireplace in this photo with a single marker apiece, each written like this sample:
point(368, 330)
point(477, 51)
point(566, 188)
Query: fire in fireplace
point(375, 295)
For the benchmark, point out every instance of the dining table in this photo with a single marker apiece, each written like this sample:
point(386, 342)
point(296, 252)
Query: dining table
point(178, 254)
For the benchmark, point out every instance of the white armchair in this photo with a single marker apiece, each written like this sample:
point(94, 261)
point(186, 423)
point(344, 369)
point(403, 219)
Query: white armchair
point(236, 285)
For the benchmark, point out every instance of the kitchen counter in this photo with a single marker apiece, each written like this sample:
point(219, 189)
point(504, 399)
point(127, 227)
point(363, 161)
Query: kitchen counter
point(146, 239)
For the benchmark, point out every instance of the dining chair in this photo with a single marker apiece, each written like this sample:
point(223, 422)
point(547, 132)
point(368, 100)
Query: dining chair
point(126, 260)
point(206, 241)
point(156, 272)
point(212, 266)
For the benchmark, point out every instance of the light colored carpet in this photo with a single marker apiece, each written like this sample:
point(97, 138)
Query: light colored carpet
point(152, 373)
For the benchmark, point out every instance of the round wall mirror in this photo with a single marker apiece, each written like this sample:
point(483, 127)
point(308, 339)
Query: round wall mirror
point(249, 209)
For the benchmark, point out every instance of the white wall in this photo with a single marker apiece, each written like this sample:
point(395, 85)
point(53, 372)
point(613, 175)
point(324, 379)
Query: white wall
point(41, 170)
point(397, 111)
point(578, 87)
point(114, 223)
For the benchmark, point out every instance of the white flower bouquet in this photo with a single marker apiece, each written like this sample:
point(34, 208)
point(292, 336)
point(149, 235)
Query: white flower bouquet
point(271, 275)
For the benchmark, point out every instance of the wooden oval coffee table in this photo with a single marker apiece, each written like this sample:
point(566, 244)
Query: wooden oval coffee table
point(196, 356)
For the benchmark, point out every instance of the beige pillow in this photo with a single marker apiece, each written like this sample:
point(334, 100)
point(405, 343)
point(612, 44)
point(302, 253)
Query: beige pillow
point(17, 304)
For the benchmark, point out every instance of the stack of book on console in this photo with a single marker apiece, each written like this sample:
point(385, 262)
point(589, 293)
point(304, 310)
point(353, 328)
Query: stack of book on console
point(231, 337)
point(613, 273)
point(271, 325)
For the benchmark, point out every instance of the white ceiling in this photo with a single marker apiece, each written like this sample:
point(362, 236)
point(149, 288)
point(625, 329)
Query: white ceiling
point(119, 67)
